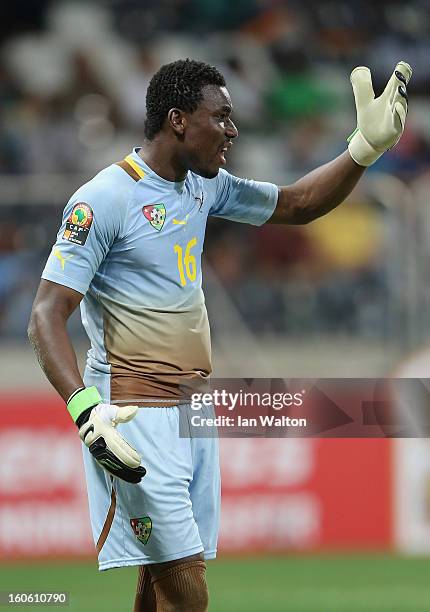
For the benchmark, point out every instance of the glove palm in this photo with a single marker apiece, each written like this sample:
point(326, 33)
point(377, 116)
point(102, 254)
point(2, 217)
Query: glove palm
point(380, 121)
point(107, 445)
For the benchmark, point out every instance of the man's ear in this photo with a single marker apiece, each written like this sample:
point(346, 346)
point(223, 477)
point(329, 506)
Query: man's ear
point(177, 121)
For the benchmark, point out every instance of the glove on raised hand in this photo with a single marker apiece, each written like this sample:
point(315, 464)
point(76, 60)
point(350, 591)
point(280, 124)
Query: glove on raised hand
point(380, 121)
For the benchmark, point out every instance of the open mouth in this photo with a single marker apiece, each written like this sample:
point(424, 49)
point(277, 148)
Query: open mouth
point(223, 151)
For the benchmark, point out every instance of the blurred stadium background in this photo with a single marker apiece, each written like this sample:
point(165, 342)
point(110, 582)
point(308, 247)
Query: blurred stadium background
point(307, 524)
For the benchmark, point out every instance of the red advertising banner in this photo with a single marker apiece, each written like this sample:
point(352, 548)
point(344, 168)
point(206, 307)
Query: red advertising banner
point(278, 494)
point(43, 502)
point(303, 494)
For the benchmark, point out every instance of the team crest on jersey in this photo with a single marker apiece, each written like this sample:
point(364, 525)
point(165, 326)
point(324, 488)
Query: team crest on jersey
point(156, 215)
point(142, 528)
point(78, 224)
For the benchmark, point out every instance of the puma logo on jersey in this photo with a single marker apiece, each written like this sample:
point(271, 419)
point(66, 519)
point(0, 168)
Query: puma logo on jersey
point(183, 222)
point(60, 257)
point(200, 199)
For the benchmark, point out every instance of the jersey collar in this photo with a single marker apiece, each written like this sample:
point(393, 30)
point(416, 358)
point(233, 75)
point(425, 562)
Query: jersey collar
point(177, 186)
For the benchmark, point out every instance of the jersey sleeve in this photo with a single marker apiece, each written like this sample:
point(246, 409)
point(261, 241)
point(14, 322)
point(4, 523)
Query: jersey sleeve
point(243, 200)
point(92, 221)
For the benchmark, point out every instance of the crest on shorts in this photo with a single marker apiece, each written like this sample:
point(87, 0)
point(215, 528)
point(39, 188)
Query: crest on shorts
point(142, 528)
point(156, 215)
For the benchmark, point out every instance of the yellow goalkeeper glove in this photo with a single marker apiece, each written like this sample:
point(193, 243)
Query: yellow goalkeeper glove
point(380, 121)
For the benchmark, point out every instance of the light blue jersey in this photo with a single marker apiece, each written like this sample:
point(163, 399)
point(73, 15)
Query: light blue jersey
point(131, 242)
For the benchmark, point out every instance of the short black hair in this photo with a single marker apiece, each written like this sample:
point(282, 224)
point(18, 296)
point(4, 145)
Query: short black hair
point(177, 85)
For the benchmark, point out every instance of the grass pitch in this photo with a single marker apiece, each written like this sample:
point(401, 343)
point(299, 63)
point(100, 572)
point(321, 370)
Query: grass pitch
point(318, 583)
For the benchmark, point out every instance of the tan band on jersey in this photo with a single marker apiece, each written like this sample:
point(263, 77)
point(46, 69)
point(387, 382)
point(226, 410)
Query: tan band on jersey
point(134, 170)
point(108, 522)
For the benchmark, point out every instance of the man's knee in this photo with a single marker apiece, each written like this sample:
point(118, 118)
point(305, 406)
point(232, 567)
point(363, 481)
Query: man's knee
point(182, 587)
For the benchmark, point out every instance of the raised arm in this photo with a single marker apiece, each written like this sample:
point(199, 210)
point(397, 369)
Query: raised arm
point(380, 124)
point(318, 192)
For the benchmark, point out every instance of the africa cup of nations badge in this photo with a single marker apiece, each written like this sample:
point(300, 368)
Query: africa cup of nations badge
point(156, 215)
point(78, 224)
point(142, 528)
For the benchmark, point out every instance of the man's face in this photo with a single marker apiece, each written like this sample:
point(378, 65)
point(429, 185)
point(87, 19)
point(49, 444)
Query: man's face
point(209, 132)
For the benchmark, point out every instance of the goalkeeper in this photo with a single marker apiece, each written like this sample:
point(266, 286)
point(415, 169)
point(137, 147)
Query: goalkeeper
point(129, 253)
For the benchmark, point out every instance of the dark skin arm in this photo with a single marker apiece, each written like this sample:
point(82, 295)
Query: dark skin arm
point(48, 334)
point(318, 192)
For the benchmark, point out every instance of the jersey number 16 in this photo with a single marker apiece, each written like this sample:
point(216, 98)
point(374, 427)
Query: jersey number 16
point(186, 263)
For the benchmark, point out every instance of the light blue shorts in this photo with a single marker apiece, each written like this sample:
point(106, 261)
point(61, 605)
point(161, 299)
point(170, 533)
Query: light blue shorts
point(174, 511)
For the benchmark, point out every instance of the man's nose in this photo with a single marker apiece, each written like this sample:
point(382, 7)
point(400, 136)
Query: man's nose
point(232, 131)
